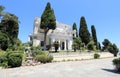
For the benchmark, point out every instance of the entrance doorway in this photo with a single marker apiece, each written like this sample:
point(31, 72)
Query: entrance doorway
point(63, 45)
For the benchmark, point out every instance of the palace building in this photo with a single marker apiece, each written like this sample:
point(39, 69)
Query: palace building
point(63, 34)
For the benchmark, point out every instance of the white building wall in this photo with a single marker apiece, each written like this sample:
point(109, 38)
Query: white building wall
point(61, 34)
point(36, 42)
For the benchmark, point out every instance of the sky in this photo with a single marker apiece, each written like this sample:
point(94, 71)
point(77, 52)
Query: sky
point(103, 14)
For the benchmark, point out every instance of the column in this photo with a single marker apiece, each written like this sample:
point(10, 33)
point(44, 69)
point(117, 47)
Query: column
point(70, 44)
point(65, 45)
point(52, 41)
point(59, 45)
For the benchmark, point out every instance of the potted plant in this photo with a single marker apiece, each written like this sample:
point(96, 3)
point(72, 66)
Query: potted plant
point(56, 45)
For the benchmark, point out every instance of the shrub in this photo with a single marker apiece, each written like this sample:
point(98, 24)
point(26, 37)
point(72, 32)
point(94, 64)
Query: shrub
point(96, 56)
point(49, 58)
point(19, 52)
point(4, 64)
point(74, 45)
point(44, 58)
point(34, 53)
point(4, 39)
point(116, 62)
point(15, 59)
point(3, 57)
point(91, 46)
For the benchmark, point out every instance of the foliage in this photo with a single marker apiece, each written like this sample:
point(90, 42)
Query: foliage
point(78, 41)
point(48, 21)
point(94, 36)
point(96, 56)
point(11, 58)
point(106, 43)
point(99, 46)
point(83, 31)
point(75, 28)
point(44, 58)
point(91, 46)
point(113, 49)
point(1, 10)
point(116, 62)
point(4, 41)
point(9, 26)
point(15, 59)
point(74, 45)
point(4, 64)
point(56, 45)
point(3, 57)
point(17, 46)
point(36, 51)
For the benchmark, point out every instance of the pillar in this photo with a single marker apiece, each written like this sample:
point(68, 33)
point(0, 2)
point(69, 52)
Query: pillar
point(59, 45)
point(65, 45)
point(52, 41)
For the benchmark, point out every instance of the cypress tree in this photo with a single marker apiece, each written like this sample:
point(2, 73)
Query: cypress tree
point(94, 36)
point(83, 31)
point(106, 43)
point(99, 46)
point(75, 28)
point(48, 21)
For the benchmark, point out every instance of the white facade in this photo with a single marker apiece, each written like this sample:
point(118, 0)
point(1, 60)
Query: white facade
point(63, 34)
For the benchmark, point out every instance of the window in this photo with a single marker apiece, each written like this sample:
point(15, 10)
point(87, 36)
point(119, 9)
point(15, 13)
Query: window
point(35, 37)
point(42, 43)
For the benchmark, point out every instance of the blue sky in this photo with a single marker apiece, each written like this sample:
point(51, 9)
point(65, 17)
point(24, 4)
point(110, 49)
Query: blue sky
point(104, 14)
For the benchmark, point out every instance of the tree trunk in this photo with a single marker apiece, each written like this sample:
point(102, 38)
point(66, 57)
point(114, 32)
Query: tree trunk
point(45, 34)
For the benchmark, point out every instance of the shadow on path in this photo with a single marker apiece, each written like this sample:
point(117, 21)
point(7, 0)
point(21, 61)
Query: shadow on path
point(111, 70)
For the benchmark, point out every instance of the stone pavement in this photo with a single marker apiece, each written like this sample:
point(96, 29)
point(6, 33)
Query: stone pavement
point(84, 68)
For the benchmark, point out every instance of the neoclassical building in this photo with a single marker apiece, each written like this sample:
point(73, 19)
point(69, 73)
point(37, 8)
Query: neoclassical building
point(63, 34)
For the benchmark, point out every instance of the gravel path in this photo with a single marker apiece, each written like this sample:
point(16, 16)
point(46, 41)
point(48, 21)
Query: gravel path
point(85, 68)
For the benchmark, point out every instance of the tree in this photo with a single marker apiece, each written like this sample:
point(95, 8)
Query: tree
point(1, 10)
point(99, 46)
point(48, 21)
point(106, 43)
point(91, 46)
point(94, 36)
point(75, 28)
point(74, 45)
point(113, 49)
point(4, 41)
point(83, 31)
point(78, 42)
point(9, 25)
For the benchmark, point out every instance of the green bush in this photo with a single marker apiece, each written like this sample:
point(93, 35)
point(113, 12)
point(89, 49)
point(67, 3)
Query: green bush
point(116, 62)
point(15, 59)
point(34, 53)
point(19, 52)
point(49, 58)
point(4, 64)
point(91, 46)
point(44, 58)
point(96, 56)
point(3, 57)
point(37, 51)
